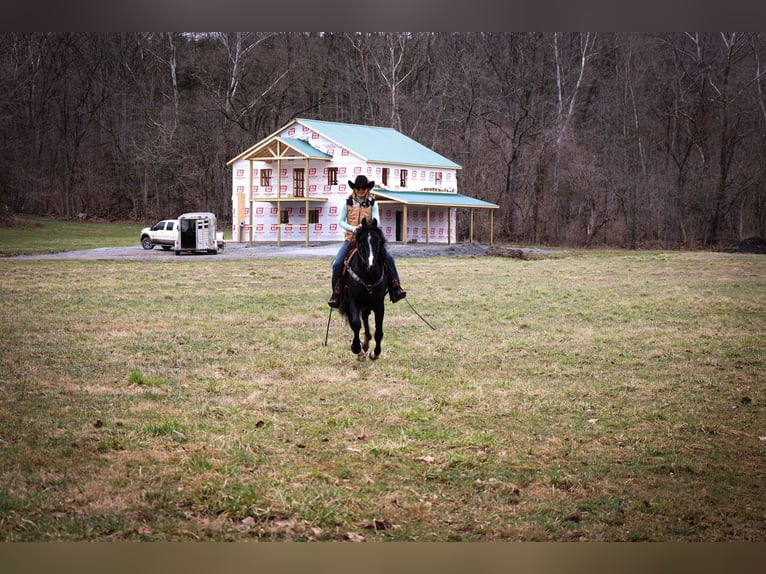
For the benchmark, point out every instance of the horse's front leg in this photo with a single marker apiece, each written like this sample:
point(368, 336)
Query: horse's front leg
point(379, 312)
point(355, 323)
point(367, 335)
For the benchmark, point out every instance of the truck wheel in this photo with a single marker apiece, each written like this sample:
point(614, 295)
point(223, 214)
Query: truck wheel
point(146, 242)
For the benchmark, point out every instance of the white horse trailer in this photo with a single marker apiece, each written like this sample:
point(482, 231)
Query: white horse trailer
point(198, 232)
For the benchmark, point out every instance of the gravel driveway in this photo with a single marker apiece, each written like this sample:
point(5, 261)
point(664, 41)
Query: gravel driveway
point(260, 251)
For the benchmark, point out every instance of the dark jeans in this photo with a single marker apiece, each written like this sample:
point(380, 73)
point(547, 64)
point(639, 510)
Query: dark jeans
point(337, 264)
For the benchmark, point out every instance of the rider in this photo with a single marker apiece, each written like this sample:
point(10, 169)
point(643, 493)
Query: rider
point(358, 206)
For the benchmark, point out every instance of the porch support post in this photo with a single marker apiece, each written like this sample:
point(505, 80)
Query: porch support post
point(428, 224)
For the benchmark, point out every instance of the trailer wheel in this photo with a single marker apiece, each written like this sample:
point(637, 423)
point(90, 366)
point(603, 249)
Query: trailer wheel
point(178, 252)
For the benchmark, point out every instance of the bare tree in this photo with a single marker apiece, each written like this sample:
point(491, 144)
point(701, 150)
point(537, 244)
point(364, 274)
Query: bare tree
point(727, 91)
point(566, 95)
point(395, 56)
point(240, 47)
point(580, 138)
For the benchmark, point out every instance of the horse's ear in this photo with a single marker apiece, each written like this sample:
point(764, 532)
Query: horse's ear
point(374, 222)
point(364, 221)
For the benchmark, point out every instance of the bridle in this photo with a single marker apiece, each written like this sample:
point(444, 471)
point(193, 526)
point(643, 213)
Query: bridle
point(369, 286)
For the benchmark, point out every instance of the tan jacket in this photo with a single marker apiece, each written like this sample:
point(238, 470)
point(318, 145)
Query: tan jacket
point(355, 213)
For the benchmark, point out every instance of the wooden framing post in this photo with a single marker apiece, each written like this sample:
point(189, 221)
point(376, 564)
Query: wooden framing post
point(279, 199)
point(306, 186)
point(404, 225)
point(249, 197)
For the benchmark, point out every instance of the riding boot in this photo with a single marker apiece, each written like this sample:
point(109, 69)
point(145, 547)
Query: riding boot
point(334, 301)
point(395, 291)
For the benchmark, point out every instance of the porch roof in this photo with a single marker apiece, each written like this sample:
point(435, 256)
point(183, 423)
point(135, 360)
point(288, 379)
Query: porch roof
point(433, 199)
point(305, 148)
point(276, 147)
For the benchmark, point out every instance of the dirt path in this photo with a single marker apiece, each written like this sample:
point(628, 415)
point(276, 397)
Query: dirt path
point(259, 251)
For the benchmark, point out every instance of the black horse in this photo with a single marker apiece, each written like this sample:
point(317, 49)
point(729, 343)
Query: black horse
point(365, 283)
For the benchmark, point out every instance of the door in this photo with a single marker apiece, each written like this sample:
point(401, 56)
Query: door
point(299, 183)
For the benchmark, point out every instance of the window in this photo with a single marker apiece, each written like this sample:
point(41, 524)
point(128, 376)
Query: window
point(438, 178)
point(403, 178)
point(284, 216)
point(265, 177)
point(384, 176)
point(298, 183)
point(332, 176)
point(314, 216)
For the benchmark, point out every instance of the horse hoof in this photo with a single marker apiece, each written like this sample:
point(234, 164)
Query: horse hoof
point(366, 345)
point(361, 356)
point(373, 356)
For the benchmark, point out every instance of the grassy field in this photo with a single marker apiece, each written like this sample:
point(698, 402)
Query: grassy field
point(598, 396)
point(31, 235)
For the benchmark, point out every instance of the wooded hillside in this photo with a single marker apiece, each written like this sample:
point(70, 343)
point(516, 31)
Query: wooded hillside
point(581, 138)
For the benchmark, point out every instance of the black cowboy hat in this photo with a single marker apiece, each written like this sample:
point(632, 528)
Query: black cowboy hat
point(361, 183)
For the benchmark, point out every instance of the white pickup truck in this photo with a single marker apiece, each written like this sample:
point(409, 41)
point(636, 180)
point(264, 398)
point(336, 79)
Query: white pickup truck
point(162, 233)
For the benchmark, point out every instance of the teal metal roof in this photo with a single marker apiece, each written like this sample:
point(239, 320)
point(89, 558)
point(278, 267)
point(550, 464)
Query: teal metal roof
point(376, 144)
point(304, 147)
point(433, 199)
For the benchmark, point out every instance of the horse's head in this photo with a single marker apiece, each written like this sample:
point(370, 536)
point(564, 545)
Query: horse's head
point(370, 242)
